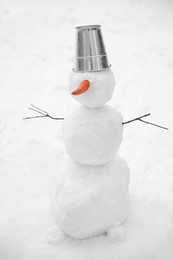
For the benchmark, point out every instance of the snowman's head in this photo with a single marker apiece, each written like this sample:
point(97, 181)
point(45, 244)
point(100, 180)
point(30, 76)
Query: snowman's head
point(92, 89)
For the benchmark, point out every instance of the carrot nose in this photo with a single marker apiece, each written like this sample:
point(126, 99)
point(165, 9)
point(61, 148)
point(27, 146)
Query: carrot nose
point(83, 87)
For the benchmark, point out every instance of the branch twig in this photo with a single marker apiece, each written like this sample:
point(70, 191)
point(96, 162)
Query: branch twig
point(135, 119)
point(42, 112)
point(144, 121)
point(153, 124)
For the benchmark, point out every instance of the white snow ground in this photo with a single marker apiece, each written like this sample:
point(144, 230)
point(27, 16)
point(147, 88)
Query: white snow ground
point(37, 41)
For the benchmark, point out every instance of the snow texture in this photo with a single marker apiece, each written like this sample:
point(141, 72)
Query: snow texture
point(92, 136)
point(91, 199)
point(101, 87)
point(37, 46)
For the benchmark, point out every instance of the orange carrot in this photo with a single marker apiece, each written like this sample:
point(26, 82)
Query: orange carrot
point(83, 87)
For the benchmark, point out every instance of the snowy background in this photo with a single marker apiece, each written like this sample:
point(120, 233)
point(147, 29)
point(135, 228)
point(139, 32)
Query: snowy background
point(37, 42)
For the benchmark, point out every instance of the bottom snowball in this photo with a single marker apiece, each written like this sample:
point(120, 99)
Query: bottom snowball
point(116, 233)
point(90, 199)
point(55, 236)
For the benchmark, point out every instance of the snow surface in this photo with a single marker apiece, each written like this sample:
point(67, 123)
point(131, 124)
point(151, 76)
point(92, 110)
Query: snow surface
point(36, 56)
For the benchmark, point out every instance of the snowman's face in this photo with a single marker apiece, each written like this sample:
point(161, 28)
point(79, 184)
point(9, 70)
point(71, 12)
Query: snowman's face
point(100, 88)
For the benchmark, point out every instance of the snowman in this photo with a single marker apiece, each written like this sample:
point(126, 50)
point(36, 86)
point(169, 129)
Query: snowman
point(92, 199)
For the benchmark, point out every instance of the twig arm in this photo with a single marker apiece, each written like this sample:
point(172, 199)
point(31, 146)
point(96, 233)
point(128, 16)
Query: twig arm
point(42, 112)
point(144, 121)
point(39, 109)
point(135, 119)
point(31, 117)
point(45, 114)
point(153, 124)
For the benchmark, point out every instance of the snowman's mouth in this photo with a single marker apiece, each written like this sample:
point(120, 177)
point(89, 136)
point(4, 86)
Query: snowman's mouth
point(82, 88)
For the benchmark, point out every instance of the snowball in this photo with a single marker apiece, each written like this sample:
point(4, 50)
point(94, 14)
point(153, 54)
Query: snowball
point(101, 87)
point(91, 198)
point(92, 136)
point(116, 233)
point(56, 236)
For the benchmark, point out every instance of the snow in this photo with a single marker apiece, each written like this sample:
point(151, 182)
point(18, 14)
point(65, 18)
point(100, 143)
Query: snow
point(90, 199)
point(36, 56)
point(92, 136)
point(101, 87)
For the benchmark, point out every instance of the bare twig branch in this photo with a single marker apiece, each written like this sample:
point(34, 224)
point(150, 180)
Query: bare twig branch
point(31, 117)
point(42, 112)
point(135, 119)
point(39, 109)
point(153, 124)
point(30, 108)
point(144, 121)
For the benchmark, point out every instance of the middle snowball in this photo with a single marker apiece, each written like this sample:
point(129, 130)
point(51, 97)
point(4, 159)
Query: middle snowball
point(92, 136)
